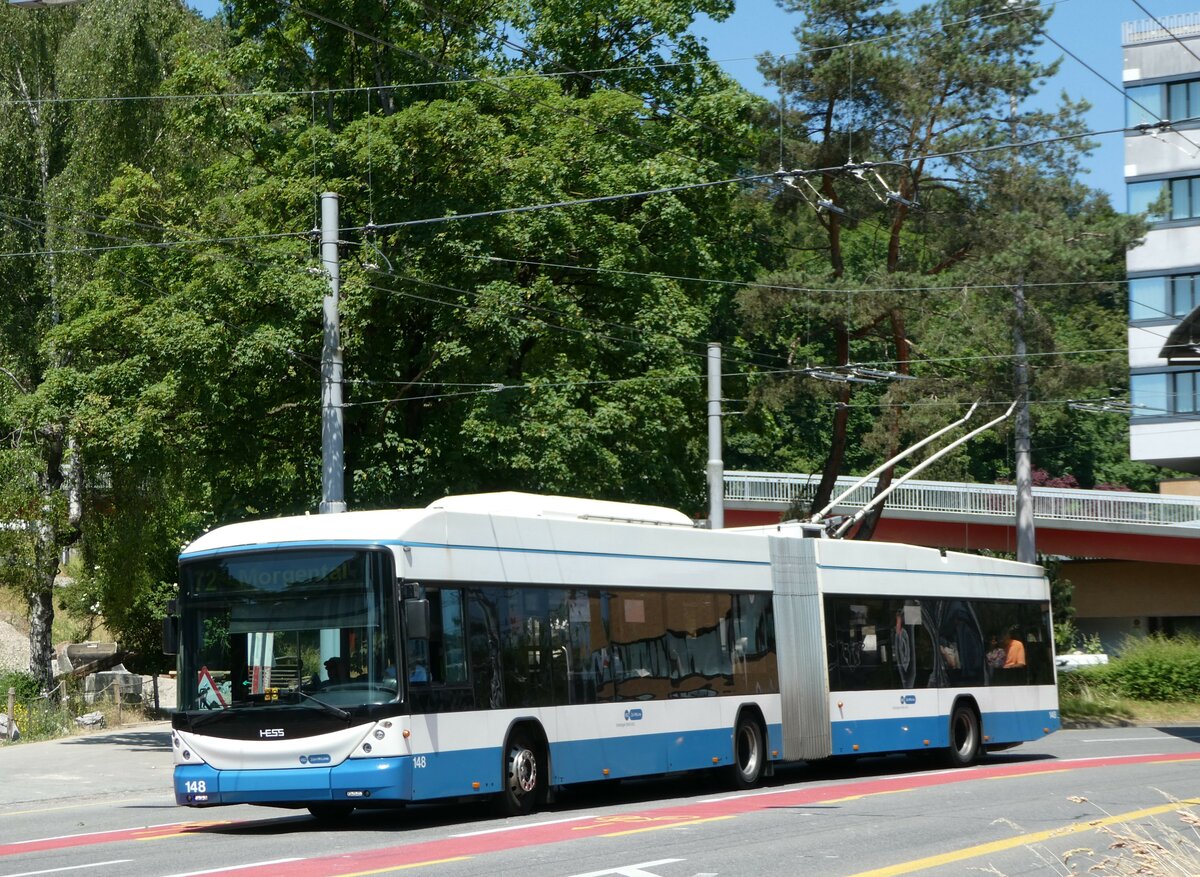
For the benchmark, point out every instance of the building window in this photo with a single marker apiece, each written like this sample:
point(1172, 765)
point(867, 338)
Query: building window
point(1180, 198)
point(1165, 393)
point(1148, 393)
point(1185, 198)
point(1148, 298)
point(1160, 298)
point(1145, 198)
point(1144, 105)
point(1174, 101)
point(1183, 397)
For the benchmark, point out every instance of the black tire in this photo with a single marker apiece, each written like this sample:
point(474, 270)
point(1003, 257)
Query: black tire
point(331, 812)
point(965, 735)
point(748, 753)
point(524, 775)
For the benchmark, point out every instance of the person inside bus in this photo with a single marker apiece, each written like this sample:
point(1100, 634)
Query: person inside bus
point(1014, 651)
point(995, 655)
point(337, 669)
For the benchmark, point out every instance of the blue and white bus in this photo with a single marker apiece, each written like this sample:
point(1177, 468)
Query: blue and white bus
point(507, 644)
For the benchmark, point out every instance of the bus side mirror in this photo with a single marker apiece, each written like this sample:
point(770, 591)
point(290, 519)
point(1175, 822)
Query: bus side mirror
point(416, 618)
point(170, 630)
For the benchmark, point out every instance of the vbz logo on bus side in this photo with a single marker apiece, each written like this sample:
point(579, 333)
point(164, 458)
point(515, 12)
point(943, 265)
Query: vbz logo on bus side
point(908, 699)
point(633, 715)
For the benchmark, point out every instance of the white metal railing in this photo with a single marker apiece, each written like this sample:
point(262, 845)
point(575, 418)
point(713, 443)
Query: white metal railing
point(1180, 25)
point(982, 500)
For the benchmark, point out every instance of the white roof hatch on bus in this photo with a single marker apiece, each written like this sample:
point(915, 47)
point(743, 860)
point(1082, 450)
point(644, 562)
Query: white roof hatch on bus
point(529, 505)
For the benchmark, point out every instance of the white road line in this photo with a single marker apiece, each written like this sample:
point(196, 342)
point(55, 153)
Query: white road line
point(238, 867)
point(523, 826)
point(638, 870)
point(70, 868)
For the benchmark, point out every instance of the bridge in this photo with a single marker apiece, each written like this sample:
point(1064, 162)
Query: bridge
point(1072, 523)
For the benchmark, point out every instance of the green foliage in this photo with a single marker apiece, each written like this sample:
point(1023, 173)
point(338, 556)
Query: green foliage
point(25, 684)
point(929, 291)
point(1154, 668)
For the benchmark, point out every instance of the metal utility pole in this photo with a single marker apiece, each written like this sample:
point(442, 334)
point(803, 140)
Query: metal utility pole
point(333, 458)
point(1026, 541)
point(716, 466)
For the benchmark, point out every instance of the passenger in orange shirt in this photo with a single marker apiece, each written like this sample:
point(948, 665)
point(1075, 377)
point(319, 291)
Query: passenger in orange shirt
point(1014, 651)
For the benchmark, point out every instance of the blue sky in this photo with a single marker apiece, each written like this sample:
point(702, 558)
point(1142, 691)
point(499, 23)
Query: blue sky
point(1090, 29)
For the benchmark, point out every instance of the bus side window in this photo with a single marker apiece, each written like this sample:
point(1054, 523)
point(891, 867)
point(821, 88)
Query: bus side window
point(454, 645)
point(483, 628)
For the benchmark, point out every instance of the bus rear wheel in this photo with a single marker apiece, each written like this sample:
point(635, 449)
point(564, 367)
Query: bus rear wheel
point(964, 737)
point(747, 766)
point(524, 775)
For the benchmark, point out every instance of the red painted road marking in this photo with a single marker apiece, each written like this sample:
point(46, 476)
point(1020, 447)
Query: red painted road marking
point(597, 826)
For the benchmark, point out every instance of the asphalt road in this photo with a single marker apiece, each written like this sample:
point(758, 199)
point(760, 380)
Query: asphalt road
point(102, 805)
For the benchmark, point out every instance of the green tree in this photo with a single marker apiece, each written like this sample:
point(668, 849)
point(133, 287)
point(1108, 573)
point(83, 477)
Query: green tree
point(898, 248)
point(477, 358)
point(61, 144)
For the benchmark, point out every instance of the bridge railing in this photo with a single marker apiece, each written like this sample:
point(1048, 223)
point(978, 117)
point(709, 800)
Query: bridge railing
point(977, 500)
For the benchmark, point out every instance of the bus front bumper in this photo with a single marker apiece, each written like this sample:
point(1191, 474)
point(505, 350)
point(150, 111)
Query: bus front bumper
point(356, 781)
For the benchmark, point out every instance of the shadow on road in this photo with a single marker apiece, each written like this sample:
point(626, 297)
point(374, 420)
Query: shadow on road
point(1183, 732)
point(135, 741)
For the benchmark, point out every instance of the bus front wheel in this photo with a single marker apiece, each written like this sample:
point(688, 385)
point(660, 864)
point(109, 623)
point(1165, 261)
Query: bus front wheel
point(524, 775)
point(964, 737)
point(747, 753)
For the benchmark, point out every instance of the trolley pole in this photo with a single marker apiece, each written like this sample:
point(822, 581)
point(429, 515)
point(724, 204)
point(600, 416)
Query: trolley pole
point(716, 465)
point(333, 458)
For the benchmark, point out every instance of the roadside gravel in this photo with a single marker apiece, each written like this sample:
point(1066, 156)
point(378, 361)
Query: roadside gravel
point(14, 648)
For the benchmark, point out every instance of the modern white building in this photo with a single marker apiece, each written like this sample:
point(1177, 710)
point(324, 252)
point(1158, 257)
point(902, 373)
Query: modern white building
point(1162, 174)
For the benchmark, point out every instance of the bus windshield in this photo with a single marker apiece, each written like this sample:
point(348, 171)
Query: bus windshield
point(312, 627)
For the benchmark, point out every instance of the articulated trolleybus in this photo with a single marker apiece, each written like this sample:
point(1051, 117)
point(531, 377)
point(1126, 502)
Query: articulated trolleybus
point(508, 644)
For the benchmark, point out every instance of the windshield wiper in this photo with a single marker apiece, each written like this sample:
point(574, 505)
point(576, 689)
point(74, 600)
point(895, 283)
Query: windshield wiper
point(328, 707)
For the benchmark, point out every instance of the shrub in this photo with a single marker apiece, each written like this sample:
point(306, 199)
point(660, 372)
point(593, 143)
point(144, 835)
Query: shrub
point(23, 681)
point(1156, 668)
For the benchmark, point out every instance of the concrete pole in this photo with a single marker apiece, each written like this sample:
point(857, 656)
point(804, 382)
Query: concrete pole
point(12, 714)
point(716, 466)
point(333, 458)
